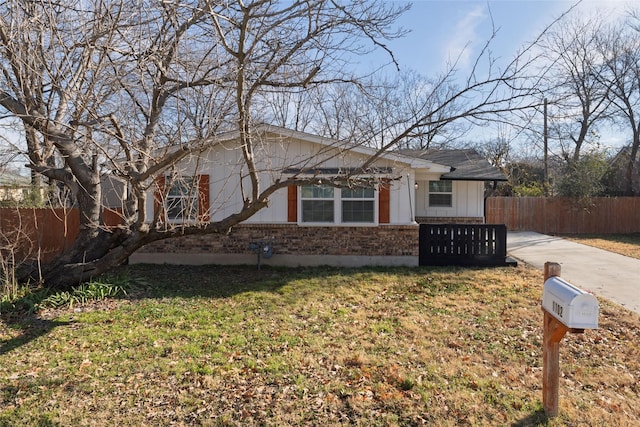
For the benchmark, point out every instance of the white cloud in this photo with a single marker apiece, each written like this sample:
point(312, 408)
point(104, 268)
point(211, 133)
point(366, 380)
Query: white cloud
point(459, 47)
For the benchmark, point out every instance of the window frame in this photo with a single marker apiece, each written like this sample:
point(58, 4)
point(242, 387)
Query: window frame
point(314, 198)
point(192, 195)
point(440, 192)
point(338, 206)
point(365, 198)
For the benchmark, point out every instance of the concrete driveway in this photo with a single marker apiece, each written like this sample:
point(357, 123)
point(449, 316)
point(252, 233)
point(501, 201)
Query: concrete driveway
point(605, 274)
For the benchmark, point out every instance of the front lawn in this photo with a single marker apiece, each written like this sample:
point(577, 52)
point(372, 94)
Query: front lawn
point(233, 346)
point(624, 244)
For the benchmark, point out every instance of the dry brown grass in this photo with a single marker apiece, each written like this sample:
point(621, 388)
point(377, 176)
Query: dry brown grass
point(229, 346)
point(624, 244)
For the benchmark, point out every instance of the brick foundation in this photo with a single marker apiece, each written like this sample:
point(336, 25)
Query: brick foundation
point(291, 239)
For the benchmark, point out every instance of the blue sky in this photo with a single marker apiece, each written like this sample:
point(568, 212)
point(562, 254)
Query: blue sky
point(442, 30)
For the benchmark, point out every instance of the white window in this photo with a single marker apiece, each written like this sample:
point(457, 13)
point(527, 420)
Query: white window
point(440, 194)
point(182, 199)
point(358, 204)
point(317, 203)
point(327, 204)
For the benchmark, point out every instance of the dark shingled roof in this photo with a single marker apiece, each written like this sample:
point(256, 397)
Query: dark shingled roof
point(467, 164)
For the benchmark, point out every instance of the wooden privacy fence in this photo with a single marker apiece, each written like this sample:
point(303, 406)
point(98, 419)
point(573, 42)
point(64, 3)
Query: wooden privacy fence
point(565, 216)
point(43, 233)
point(463, 244)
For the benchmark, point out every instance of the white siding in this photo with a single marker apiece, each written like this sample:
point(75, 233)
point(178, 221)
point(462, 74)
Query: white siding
point(402, 198)
point(467, 199)
point(276, 211)
point(470, 198)
point(225, 166)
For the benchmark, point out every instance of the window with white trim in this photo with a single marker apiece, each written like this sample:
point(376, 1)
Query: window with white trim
point(441, 194)
point(182, 199)
point(358, 204)
point(327, 204)
point(317, 203)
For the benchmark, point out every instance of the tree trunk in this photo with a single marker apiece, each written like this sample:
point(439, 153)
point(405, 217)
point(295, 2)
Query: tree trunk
point(629, 175)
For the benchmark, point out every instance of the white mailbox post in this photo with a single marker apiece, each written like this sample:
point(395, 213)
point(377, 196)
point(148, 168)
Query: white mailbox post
point(566, 309)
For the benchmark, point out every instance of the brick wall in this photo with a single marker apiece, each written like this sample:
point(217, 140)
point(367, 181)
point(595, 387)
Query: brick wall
point(383, 240)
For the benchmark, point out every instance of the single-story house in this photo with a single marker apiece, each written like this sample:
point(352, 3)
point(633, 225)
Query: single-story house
point(463, 186)
point(14, 188)
point(375, 223)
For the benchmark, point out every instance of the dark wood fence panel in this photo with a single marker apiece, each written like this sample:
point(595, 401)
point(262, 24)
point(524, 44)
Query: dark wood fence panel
point(38, 233)
point(43, 233)
point(565, 216)
point(463, 244)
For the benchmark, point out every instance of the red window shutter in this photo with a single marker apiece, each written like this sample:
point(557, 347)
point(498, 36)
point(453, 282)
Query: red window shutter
point(384, 199)
point(158, 196)
point(292, 204)
point(203, 198)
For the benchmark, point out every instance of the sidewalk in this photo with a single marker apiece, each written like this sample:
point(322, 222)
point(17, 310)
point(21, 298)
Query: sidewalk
point(612, 276)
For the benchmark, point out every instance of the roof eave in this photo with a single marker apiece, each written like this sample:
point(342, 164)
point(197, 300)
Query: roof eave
point(447, 178)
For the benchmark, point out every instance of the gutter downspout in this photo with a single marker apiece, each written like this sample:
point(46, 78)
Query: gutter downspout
point(411, 216)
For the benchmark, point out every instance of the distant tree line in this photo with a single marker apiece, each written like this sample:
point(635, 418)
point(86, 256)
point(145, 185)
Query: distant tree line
point(592, 83)
point(587, 68)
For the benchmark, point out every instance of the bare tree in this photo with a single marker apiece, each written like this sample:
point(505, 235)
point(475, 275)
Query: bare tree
point(577, 94)
point(387, 103)
point(419, 94)
point(620, 47)
point(497, 150)
point(133, 88)
point(117, 86)
point(288, 109)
